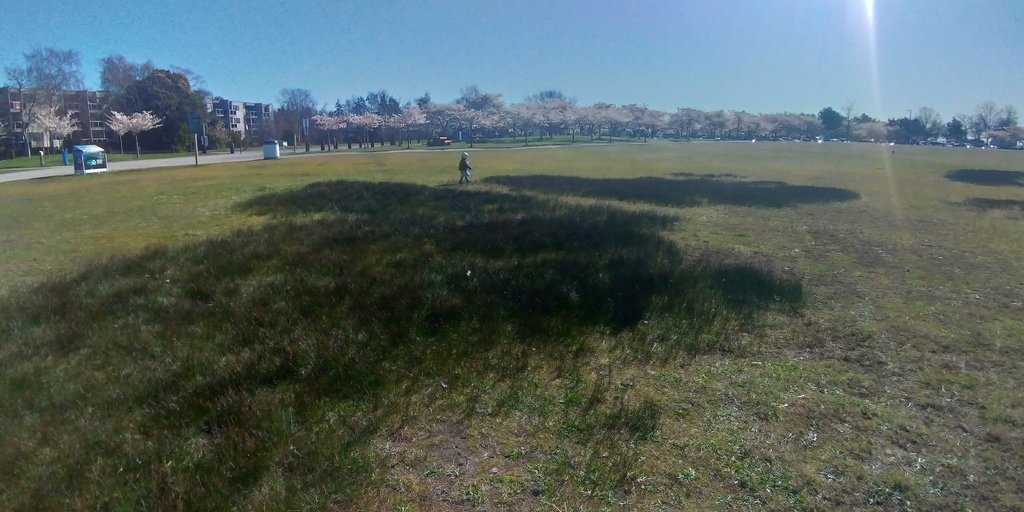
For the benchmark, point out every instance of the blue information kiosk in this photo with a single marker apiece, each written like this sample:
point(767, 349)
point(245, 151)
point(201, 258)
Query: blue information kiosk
point(90, 159)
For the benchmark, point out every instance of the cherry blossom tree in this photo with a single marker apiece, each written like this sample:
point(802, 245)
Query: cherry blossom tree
point(524, 116)
point(331, 124)
point(870, 131)
point(118, 123)
point(411, 117)
point(686, 120)
point(553, 113)
point(471, 119)
point(135, 123)
point(394, 122)
point(715, 121)
point(743, 124)
point(643, 119)
point(481, 110)
point(608, 115)
point(509, 121)
point(57, 126)
point(368, 122)
point(443, 115)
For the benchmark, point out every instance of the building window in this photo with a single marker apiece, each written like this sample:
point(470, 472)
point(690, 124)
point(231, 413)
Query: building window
point(234, 112)
point(96, 124)
point(219, 112)
point(234, 126)
point(94, 106)
point(18, 125)
point(15, 105)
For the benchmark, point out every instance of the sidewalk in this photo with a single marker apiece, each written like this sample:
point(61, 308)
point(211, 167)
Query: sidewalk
point(131, 165)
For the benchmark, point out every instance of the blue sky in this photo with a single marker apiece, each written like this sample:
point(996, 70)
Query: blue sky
point(759, 56)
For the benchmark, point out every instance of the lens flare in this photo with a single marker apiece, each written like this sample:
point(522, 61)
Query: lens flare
point(888, 153)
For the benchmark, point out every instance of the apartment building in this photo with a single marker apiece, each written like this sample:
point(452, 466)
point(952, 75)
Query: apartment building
point(86, 106)
point(254, 121)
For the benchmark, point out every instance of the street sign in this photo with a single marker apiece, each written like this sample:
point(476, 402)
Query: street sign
point(195, 124)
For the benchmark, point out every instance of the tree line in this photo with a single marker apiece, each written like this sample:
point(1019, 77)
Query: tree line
point(478, 115)
point(174, 95)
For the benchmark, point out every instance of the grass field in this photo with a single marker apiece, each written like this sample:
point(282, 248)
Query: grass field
point(21, 163)
point(665, 326)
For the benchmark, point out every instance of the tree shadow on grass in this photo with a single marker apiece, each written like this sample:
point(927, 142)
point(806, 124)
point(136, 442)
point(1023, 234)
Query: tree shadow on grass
point(987, 177)
point(985, 203)
point(269, 361)
point(685, 192)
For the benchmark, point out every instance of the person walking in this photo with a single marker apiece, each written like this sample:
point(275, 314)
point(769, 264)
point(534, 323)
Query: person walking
point(464, 168)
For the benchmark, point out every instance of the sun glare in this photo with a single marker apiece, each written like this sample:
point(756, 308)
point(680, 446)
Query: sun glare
point(871, 32)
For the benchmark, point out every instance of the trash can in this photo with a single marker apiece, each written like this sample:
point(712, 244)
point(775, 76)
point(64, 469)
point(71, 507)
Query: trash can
point(89, 159)
point(271, 150)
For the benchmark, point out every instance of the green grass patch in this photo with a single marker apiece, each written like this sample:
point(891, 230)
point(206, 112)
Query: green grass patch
point(355, 299)
point(728, 326)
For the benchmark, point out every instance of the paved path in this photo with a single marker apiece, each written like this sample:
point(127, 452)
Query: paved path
point(129, 165)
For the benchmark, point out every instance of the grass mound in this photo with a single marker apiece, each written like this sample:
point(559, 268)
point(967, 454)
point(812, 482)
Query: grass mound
point(259, 368)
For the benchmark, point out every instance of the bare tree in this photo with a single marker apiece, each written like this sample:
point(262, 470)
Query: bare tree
point(53, 71)
point(931, 120)
point(18, 79)
point(47, 72)
point(985, 117)
point(848, 114)
point(1006, 117)
point(295, 105)
point(467, 92)
point(549, 94)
